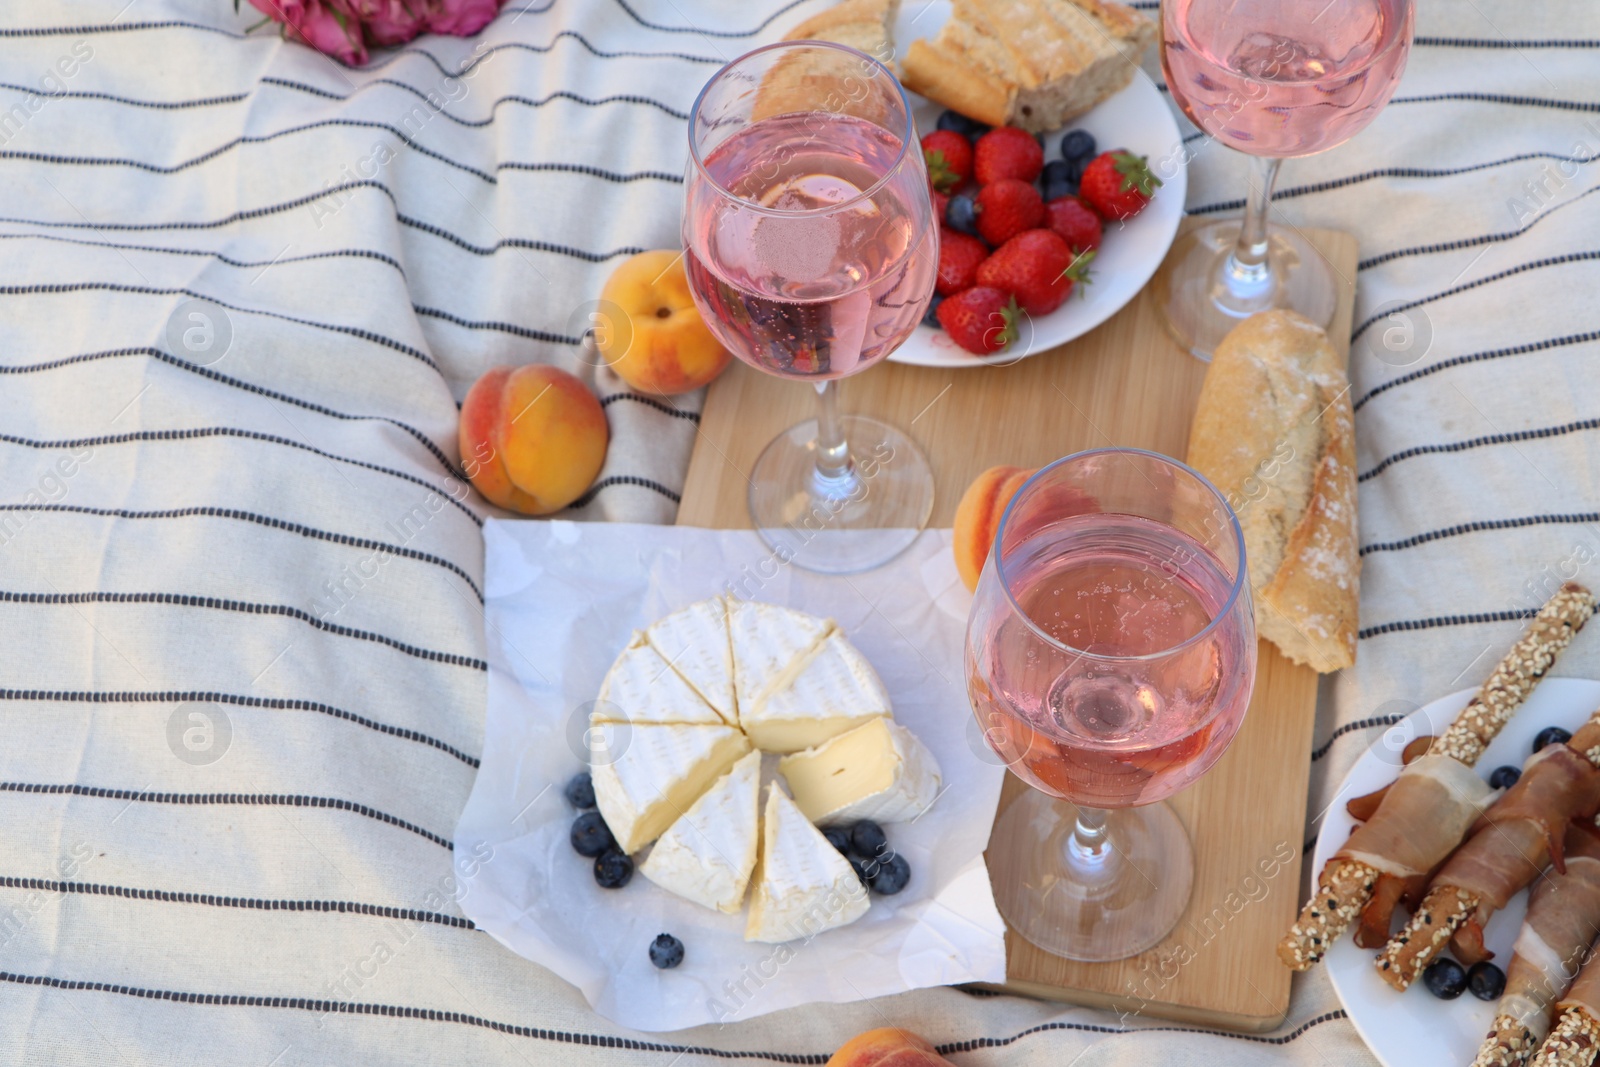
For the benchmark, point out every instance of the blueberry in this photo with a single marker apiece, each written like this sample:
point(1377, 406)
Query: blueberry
point(1444, 978)
point(1057, 181)
point(590, 834)
point(891, 876)
point(1504, 777)
point(867, 839)
point(954, 120)
point(1551, 735)
point(930, 319)
point(666, 951)
point(613, 869)
point(1079, 144)
point(1486, 981)
point(863, 871)
point(962, 214)
point(580, 791)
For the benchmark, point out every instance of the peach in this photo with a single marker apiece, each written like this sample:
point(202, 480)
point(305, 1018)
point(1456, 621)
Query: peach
point(661, 344)
point(532, 438)
point(887, 1046)
point(978, 517)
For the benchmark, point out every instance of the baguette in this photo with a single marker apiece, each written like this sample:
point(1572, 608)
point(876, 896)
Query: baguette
point(1274, 431)
point(833, 82)
point(865, 25)
point(1030, 63)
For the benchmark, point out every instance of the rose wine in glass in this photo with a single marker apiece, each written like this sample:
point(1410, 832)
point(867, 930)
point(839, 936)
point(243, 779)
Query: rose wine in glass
point(811, 251)
point(1110, 659)
point(1273, 79)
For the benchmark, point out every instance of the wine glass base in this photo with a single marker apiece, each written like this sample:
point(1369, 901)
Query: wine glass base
point(1100, 910)
point(1201, 307)
point(882, 504)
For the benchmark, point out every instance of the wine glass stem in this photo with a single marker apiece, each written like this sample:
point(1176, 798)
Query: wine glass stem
point(835, 475)
point(1248, 273)
point(1089, 849)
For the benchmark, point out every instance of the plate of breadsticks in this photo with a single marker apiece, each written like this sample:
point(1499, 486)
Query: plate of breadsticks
point(1457, 904)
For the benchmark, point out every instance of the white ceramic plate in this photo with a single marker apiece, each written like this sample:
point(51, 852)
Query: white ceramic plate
point(1138, 119)
point(1415, 1027)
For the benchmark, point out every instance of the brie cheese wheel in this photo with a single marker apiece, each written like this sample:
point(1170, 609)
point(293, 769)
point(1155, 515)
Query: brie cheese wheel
point(642, 687)
point(648, 774)
point(803, 885)
point(768, 644)
point(708, 854)
point(877, 771)
point(695, 641)
point(833, 690)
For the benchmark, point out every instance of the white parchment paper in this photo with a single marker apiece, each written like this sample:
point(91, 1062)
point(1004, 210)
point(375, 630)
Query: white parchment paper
point(562, 599)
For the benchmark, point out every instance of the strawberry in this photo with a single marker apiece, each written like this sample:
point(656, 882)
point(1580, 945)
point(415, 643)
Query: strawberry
point(941, 203)
point(980, 319)
point(1007, 152)
point(1118, 184)
point(1075, 221)
point(1036, 267)
point(949, 158)
point(1006, 208)
point(959, 258)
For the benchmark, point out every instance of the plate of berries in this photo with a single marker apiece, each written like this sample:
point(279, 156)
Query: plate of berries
point(1044, 238)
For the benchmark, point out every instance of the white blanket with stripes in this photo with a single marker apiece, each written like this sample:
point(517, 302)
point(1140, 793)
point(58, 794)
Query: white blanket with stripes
point(240, 578)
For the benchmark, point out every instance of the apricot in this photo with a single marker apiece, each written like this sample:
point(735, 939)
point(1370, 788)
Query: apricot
point(659, 343)
point(978, 517)
point(532, 438)
point(887, 1046)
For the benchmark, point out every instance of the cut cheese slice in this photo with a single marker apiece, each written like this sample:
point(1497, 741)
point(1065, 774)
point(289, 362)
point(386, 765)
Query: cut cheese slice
point(642, 687)
point(695, 641)
point(803, 885)
point(835, 689)
point(877, 771)
point(769, 644)
point(647, 775)
point(707, 855)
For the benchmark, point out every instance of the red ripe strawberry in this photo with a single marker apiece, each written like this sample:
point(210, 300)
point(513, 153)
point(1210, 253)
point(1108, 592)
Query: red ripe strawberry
point(1006, 208)
point(1037, 268)
point(949, 159)
point(1075, 221)
point(1007, 152)
point(959, 258)
point(941, 202)
point(1118, 184)
point(980, 319)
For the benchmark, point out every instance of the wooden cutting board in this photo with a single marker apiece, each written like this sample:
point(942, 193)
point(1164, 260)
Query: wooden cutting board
point(1125, 383)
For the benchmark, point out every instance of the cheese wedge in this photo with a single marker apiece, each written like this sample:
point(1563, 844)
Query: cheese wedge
point(769, 643)
point(642, 687)
point(707, 855)
point(695, 641)
point(877, 771)
point(803, 885)
point(835, 689)
point(649, 774)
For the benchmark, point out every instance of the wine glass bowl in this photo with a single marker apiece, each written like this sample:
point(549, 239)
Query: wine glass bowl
point(1273, 79)
point(1110, 658)
point(811, 249)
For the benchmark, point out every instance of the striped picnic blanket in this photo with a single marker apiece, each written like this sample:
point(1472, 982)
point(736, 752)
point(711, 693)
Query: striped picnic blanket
point(241, 579)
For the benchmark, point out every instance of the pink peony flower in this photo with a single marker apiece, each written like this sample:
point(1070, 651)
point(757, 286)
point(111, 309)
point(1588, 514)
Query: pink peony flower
point(321, 25)
point(463, 18)
point(391, 21)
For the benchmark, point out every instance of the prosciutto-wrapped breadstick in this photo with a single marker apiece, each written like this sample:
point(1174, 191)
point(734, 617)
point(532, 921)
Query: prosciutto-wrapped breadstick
point(1576, 1036)
point(1518, 835)
point(1423, 816)
point(1563, 919)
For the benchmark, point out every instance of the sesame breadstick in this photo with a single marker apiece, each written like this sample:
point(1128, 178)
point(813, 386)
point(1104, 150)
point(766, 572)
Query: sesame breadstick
point(1573, 1041)
point(1346, 883)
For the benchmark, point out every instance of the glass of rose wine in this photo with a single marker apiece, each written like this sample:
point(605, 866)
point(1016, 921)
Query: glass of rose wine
point(1111, 650)
point(1273, 79)
point(811, 250)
